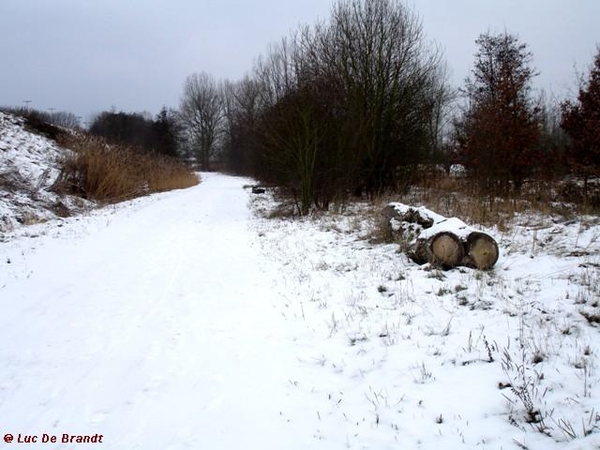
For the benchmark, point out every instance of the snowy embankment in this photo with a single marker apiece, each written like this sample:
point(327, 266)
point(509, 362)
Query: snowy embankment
point(180, 320)
point(29, 166)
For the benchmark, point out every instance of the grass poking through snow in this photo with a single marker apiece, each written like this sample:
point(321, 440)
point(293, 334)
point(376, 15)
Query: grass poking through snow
point(416, 357)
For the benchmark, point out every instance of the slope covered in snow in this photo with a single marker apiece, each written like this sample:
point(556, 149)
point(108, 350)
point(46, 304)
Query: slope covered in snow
point(185, 320)
point(29, 166)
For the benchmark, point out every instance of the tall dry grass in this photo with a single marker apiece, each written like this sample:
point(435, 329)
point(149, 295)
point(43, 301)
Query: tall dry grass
point(111, 173)
point(454, 196)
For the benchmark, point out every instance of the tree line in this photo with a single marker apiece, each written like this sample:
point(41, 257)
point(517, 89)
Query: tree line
point(140, 131)
point(343, 108)
point(359, 104)
point(160, 134)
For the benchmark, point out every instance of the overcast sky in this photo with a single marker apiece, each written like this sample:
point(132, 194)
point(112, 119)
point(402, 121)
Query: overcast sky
point(86, 56)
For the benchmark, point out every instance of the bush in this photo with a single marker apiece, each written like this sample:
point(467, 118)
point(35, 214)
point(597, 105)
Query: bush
point(111, 173)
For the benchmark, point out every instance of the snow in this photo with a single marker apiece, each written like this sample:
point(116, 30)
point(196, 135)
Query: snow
point(440, 223)
point(151, 323)
point(190, 320)
point(29, 166)
point(409, 346)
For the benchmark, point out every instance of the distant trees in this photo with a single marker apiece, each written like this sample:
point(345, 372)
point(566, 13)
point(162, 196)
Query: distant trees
point(581, 121)
point(554, 141)
point(159, 135)
point(53, 125)
point(201, 111)
point(358, 104)
point(498, 133)
point(63, 119)
point(241, 108)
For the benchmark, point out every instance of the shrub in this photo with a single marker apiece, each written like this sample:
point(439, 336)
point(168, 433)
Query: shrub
point(112, 173)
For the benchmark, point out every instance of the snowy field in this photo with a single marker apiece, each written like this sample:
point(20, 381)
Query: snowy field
point(417, 358)
point(190, 320)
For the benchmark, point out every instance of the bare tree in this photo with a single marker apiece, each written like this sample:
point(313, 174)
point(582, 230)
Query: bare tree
point(349, 105)
point(291, 135)
point(241, 110)
point(554, 141)
point(64, 119)
point(441, 97)
point(275, 73)
point(201, 112)
point(391, 84)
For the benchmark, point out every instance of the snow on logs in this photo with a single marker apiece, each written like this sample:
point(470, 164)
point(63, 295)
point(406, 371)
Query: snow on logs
point(435, 239)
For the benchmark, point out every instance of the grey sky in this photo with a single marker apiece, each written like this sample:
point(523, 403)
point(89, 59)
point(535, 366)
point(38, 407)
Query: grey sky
point(86, 56)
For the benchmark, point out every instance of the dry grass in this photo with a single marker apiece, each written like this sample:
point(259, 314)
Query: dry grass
point(454, 197)
point(111, 173)
point(381, 231)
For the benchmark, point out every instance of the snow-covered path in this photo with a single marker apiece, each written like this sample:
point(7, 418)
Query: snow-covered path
point(155, 324)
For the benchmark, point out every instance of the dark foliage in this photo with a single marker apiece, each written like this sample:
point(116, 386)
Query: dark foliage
point(581, 121)
point(498, 134)
point(141, 131)
point(347, 107)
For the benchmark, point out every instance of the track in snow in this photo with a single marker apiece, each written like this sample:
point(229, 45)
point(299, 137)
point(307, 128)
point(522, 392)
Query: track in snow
point(154, 324)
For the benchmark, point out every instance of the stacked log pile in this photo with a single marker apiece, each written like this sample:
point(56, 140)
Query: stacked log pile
point(441, 241)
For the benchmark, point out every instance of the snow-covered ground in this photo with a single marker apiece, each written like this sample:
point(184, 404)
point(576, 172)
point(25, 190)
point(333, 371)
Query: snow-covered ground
point(154, 323)
point(29, 166)
point(190, 320)
point(417, 358)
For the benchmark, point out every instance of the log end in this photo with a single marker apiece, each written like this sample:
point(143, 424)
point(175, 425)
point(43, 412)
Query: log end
point(481, 251)
point(447, 249)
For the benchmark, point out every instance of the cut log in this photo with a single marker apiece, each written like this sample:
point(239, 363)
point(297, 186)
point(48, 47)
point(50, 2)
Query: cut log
point(441, 241)
point(447, 249)
point(481, 251)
